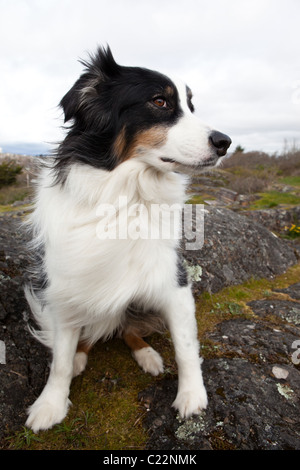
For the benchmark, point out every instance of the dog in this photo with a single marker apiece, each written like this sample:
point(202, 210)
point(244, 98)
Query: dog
point(132, 141)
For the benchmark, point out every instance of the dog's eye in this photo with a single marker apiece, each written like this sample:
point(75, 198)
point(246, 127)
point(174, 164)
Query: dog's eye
point(160, 102)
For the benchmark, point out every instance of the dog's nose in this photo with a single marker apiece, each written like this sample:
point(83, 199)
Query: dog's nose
point(220, 141)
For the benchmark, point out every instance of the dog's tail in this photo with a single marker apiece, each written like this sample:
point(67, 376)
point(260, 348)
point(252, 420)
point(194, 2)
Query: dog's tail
point(45, 334)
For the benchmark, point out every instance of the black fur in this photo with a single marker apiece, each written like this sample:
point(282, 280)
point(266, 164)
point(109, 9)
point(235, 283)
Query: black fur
point(182, 277)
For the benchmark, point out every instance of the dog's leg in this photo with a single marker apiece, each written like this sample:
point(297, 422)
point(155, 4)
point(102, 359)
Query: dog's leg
point(52, 405)
point(180, 317)
point(80, 359)
point(146, 357)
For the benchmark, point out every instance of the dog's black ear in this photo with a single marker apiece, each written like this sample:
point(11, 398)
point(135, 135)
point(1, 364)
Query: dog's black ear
point(100, 67)
point(104, 63)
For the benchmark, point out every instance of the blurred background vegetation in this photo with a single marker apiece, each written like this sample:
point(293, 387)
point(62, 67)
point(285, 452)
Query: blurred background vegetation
point(274, 179)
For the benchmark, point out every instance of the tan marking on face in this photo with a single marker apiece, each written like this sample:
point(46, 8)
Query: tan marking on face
point(154, 137)
point(119, 145)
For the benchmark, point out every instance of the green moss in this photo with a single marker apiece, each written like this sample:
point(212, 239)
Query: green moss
point(199, 199)
point(275, 198)
point(24, 438)
point(8, 208)
point(5, 208)
point(290, 180)
point(214, 308)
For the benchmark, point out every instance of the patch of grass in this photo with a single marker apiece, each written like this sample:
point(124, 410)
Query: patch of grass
point(224, 305)
point(76, 432)
point(14, 183)
point(290, 180)
point(13, 193)
point(5, 208)
point(106, 413)
point(24, 439)
point(9, 208)
point(199, 199)
point(231, 308)
point(273, 199)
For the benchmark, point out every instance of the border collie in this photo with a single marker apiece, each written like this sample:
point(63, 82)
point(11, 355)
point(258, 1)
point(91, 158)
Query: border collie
point(133, 134)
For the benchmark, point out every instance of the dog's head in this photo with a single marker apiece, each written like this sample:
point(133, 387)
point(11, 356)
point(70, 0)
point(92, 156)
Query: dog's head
point(119, 113)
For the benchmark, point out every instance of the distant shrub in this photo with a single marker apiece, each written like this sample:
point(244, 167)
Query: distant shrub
point(289, 163)
point(239, 148)
point(259, 160)
point(254, 172)
point(250, 180)
point(249, 185)
point(8, 173)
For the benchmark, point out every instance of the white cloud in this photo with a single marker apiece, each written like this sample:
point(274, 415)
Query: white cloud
point(240, 57)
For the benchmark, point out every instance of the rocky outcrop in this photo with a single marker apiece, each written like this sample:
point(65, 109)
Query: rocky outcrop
point(235, 249)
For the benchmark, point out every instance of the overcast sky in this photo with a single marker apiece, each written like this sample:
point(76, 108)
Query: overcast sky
point(240, 57)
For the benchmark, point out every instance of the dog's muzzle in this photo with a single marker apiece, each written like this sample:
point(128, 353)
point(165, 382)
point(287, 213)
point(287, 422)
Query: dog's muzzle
point(221, 142)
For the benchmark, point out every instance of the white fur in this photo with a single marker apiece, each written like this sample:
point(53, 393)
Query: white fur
point(187, 141)
point(80, 362)
point(92, 281)
point(149, 360)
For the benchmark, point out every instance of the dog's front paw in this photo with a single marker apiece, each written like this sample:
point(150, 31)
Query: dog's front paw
point(43, 414)
point(149, 360)
point(190, 402)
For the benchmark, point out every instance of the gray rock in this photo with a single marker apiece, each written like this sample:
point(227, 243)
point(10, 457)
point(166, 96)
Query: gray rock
point(275, 219)
point(249, 409)
point(284, 309)
point(255, 341)
point(236, 249)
